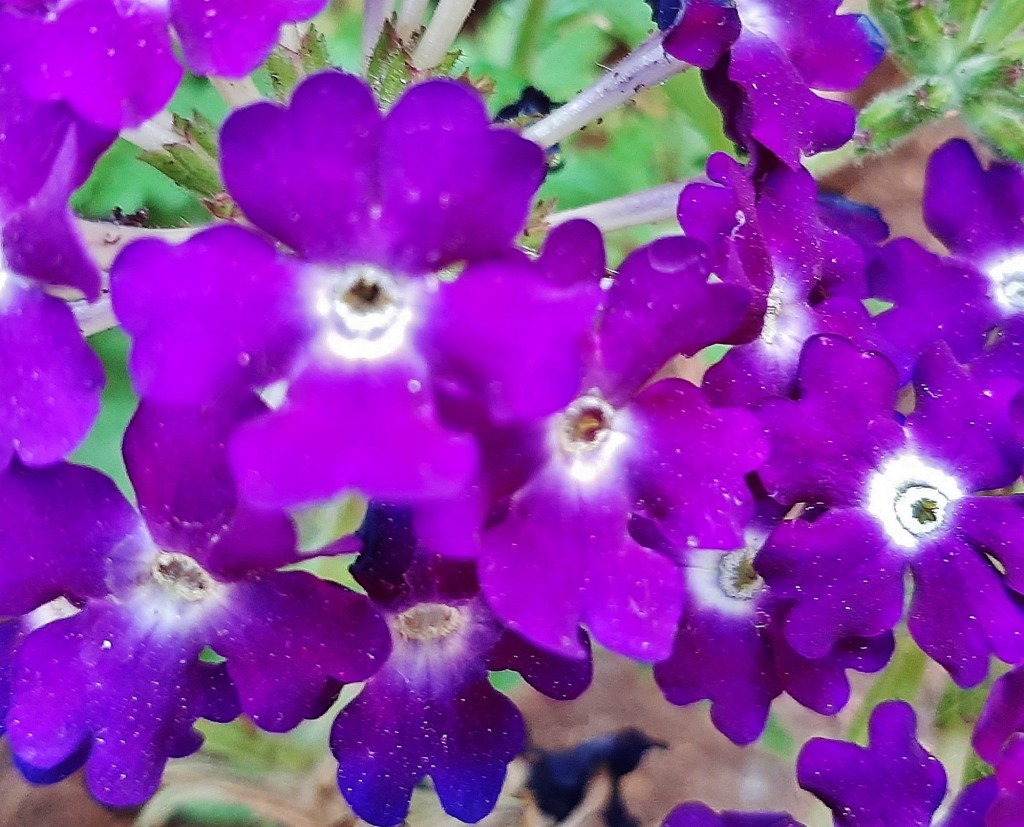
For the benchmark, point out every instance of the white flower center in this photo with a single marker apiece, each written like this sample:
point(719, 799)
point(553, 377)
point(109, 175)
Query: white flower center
point(182, 577)
point(911, 499)
point(1007, 278)
point(586, 436)
point(366, 311)
point(736, 575)
point(725, 582)
point(428, 622)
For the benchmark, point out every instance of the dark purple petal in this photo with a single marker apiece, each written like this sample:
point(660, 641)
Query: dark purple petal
point(934, 299)
point(306, 174)
point(229, 315)
point(971, 805)
point(573, 254)
point(690, 463)
point(994, 526)
point(512, 337)
point(342, 429)
point(561, 678)
point(50, 380)
point(289, 635)
point(726, 660)
point(660, 305)
point(961, 612)
point(964, 422)
point(975, 212)
point(703, 32)
point(891, 781)
point(700, 815)
point(232, 37)
point(1002, 716)
point(59, 525)
point(825, 444)
point(389, 738)
point(111, 61)
point(453, 187)
point(842, 575)
point(1006, 809)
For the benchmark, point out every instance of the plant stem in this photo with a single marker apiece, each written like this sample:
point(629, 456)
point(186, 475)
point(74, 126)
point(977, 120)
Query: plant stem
point(375, 12)
point(236, 92)
point(448, 20)
point(530, 27)
point(410, 18)
point(647, 65)
point(633, 210)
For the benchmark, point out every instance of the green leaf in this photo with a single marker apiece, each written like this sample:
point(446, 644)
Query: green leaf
point(313, 51)
point(998, 22)
point(187, 168)
point(283, 73)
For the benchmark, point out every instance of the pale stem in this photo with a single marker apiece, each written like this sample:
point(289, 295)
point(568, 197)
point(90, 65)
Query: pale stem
point(410, 18)
point(633, 210)
point(448, 20)
point(105, 240)
point(646, 66)
point(375, 12)
point(237, 92)
point(292, 34)
point(154, 134)
point(94, 317)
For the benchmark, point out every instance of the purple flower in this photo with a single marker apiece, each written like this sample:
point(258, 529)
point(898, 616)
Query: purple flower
point(50, 380)
point(764, 72)
point(730, 647)
point(113, 62)
point(893, 780)
point(805, 274)
point(999, 739)
point(962, 298)
point(900, 497)
point(122, 603)
point(404, 288)
point(1009, 802)
point(699, 815)
point(558, 552)
point(431, 711)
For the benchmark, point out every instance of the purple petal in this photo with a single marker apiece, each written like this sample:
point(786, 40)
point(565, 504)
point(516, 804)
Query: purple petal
point(232, 37)
point(703, 32)
point(60, 524)
point(971, 805)
point(50, 380)
point(825, 444)
point(453, 187)
point(389, 738)
point(111, 61)
point(1002, 716)
point(700, 815)
point(891, 781)
point(961, 612)
point(227, 319)
point(934, 298)
point(477, 338)
point(573, 254)
point(844, 579)
point(289, 635)
point(994, 526)
point(726, 660)
point(561, 678)
point(391, 445)
point(642, 325)
point(690, 463)
point(975, 212)
point(306, 174)
point(960, 420)
point(1006, 810)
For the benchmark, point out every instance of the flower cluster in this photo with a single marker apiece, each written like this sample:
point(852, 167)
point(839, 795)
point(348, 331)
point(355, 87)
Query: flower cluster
point(731, 455)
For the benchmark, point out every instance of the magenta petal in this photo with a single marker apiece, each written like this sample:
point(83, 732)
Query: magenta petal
point(59, 525)
point(50, 380)
point(1008, 806)
point(292, 633)
point(375, 431)
point(227, 318)
point(453, 187)
point(573, 254)
point(306, 174)
point(703, 33)
point(232, 37)
point(478, 337)
point(660, 305)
